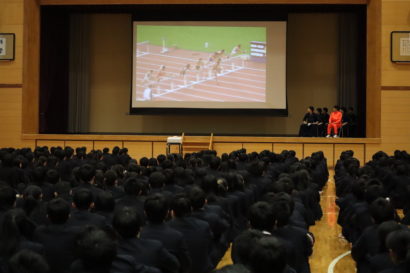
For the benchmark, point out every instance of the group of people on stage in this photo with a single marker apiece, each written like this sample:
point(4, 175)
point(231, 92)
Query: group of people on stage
point(319, 123)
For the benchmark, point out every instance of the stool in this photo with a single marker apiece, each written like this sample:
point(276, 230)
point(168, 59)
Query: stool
point(174, 140)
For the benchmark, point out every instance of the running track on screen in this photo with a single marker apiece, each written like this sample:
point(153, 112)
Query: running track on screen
point(239, 80)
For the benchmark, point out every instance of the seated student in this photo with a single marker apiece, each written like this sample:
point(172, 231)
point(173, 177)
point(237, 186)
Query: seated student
point(381, 260)
point(196, 232)
point(232, 268)
point(368, 244)
point(105, 205)
point(16, 234)
point(156, 210)
point(344, 129)
point(132, 198)
point(335, 122)
point(81, 214)
point(27, 261)
point(309, 123)
point(398, 243)
point(86, 174)
point(320, 122)
point(301, 240)
point(242, 246)
point(33, 205)
point(97, 253)
point(7, 200)
point(110, 180)
point(148, 252)
point(219, 226)
point(269, 255)
point(351, 116)
point(58, 238)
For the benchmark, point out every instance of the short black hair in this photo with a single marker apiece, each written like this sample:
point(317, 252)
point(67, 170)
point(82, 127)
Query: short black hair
point(156, 208)
point(86, 173)
point(52, 176)
point(382, 210)
point(157, 180)
point(268, 255)
point(337, 107)
point(384, 229)
point(261, 216)
point(109, 177)
point(96, 249)
point(242, 246)
point(127, 222)
point(83, 198)
point(105, 201)
point(399, 243)
point(181, 205)
point(58, 211)
point(132, 186)
point(7, 197)
point(28, 261)
point(197, 197)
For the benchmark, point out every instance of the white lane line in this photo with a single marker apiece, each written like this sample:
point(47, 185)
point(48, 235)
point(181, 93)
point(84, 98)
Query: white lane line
point(332, 265)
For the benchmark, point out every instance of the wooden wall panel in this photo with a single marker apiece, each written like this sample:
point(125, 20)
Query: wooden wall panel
point(257, 147)
point(31, 67)
point(50, 143)
point(78, 143)
point(358, 150)
point(373, 82)
point(327, 149)
point(159, 148)
point(139, 149)
point(221, 148)
point(297, 147)
point(100, 145)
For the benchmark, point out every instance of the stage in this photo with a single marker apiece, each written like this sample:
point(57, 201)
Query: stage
point(153, 145)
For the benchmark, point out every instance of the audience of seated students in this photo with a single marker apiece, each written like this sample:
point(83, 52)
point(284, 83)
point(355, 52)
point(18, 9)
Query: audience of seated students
point(368, 197)
point(318, 123)
point(73, 211)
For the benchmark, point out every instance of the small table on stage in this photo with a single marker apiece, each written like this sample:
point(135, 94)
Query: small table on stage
point(174, 140)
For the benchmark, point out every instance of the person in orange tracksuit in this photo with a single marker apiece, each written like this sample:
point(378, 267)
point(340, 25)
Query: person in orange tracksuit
point(335, 121)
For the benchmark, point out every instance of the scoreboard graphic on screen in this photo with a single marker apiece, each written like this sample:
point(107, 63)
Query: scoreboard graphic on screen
point(258, 51)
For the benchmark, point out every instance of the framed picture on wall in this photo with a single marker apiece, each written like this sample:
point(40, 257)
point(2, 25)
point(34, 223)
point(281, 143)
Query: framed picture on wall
point(400, 46)
point(7, 46)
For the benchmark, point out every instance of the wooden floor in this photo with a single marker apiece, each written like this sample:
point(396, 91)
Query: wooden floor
point(328, 245)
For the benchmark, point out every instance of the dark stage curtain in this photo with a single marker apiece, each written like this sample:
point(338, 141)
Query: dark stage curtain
point(78, 74)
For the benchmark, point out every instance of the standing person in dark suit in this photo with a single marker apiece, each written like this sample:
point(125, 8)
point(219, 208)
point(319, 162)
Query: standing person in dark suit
point(58, 238)
point(156, 210)
point(309, 123)
point(148, 252)
point(81, 214)
point(196, 232)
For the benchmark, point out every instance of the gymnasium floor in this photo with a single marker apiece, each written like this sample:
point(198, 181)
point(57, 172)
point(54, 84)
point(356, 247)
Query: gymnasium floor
point(239, 80)
point(329, 248)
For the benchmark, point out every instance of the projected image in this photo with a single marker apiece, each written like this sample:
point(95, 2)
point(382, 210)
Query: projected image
point(200, 63)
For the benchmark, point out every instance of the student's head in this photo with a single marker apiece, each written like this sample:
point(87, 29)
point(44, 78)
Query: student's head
point(261, 216)
point(105, 202)
point(268, 255)
point(310, 109)
point(110, 177)
point(156, 208)
point(15, 226)
point(233, 268)
point(127, 222)
point(282, 206)
point(319, 110)
point(7, 197)
point(384, 229)
point(52, 176)
point(96, 249)
point(58, 211)
point(86, 173)
point(325, 110)
point(398, 242)
point(197, 197)
point(243, 244)
point(336, 108)
point(132, 186)
point(28, 261)
point(157, 180)
point(381, 210)
point(83, 199)
point(181, 206)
